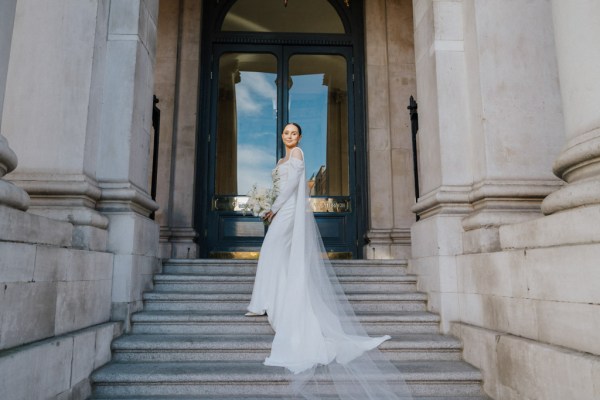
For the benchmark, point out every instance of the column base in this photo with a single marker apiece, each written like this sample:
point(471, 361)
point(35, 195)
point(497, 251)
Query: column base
point(388, 244)
point(179, 243)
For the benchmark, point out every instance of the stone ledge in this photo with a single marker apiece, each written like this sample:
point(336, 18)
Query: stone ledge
point(57, 365)
point(19, 226)
point(576, 226)
point(515, 367)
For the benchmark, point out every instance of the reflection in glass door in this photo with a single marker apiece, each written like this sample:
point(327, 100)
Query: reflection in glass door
point(318, 100)
point(248, 118)
point(246, 121)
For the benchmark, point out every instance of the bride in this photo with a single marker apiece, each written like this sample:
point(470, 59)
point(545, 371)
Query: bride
point(317, 335)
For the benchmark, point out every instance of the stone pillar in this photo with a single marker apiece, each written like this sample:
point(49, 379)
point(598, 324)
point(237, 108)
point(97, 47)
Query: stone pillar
point(177, 66)
point(10, 195)
point(7, 20)
point(390, 83)
point(123, 151)
point(515, 117)
point(444, 165)
point(577, 28)
point(489, 130)
point(51, 108)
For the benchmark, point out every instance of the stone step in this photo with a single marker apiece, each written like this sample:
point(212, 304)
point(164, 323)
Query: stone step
point(234, 322)
point(235, 378)
point(361, 302)
point(244, 283)
point(243, 397)
point(237, 347)
point(236, 267)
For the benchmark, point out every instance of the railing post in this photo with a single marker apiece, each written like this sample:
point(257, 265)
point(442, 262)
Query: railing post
point(414, 122)
point(156, 127)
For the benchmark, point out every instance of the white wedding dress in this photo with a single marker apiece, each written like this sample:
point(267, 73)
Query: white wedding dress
point(314, 324)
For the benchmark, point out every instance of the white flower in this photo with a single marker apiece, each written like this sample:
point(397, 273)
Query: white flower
point(260, 200)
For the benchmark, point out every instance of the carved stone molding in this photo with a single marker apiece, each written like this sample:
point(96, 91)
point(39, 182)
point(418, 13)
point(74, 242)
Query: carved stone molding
point(71, 198)
point(447, 200)
point(579, 166)
point(124, 197)
point(10, 195)
point(498, 203)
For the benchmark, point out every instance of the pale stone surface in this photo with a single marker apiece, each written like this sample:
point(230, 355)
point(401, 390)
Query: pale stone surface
point(517, 316)
point(576, 27)
point(177, 82)
point(438, 278)
point(80, 304)
point(7, 19)
point(18, 226)
point(54, 264)
point(482, 240)
point(165, 89)
point(499, 274)
point(47, 364)
point(575, 30)
point(390, 74)
point(380, 184)
point(520, 369)
point(132, 234)
point(83, 356)
point(17, 262)
point(26, 312)
point(573, 325)
point(543, 294)
point(67, 86)
point(568, 227)
point(56, 368)
point(437, 236)
point(521, 146)
point(54, 290)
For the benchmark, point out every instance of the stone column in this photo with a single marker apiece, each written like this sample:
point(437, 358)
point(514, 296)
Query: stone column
point(576, 29)
point(51, 108)
point(444, 165)
point(123, 151)
point(10, 195)
point(178, 59)
point(515, 117)
point(390, 83)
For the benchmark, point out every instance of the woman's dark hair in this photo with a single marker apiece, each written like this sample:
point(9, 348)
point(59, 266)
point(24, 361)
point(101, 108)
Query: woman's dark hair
point(297, 126)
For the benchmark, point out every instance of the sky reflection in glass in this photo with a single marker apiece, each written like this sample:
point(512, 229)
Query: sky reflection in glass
point(256, 102)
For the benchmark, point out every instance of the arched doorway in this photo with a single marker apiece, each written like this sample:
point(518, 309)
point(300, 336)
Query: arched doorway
point(263, 64)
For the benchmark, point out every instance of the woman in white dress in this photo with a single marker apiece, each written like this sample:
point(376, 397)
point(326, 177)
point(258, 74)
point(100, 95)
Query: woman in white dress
point(297, 288)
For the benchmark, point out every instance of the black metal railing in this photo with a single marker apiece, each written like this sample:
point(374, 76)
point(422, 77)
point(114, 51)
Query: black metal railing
point(414, 125)
point(156, 127)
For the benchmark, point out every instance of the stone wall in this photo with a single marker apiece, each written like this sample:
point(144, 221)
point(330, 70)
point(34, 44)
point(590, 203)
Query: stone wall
point(77, 248)
point(54, 309)
point(177, 73)
point(390, 76)
point(497, 79)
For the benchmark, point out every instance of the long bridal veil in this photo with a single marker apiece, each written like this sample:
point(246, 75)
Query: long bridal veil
point(318, 335)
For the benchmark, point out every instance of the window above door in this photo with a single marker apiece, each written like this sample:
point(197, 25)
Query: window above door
point(299, 16)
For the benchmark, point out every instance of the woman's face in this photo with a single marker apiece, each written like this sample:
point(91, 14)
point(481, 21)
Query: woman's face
point(290, 136)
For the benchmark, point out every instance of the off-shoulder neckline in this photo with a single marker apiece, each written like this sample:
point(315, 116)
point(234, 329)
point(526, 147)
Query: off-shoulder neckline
point(279, 163)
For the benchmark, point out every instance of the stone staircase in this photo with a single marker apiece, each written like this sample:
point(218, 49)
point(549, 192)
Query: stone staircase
point(193, 341)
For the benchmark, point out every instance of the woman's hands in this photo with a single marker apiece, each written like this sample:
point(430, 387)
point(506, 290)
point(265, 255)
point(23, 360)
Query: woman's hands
point(269, 216)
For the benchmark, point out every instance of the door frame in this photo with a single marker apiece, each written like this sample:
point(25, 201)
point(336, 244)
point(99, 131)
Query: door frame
point(213, 14)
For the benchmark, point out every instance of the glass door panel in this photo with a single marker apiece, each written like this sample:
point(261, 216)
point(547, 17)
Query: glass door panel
point(318, 101)
point(249, 114)
point(246, 146)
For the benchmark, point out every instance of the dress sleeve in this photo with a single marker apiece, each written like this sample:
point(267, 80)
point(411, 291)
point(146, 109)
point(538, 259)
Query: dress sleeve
point(295, 174)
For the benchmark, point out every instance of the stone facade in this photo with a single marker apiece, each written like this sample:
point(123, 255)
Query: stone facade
point(500, 85)
point(77, 248)
point(506, 246)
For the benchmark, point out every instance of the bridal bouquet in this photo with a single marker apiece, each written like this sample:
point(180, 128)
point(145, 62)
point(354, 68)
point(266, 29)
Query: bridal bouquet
point(259, 201)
